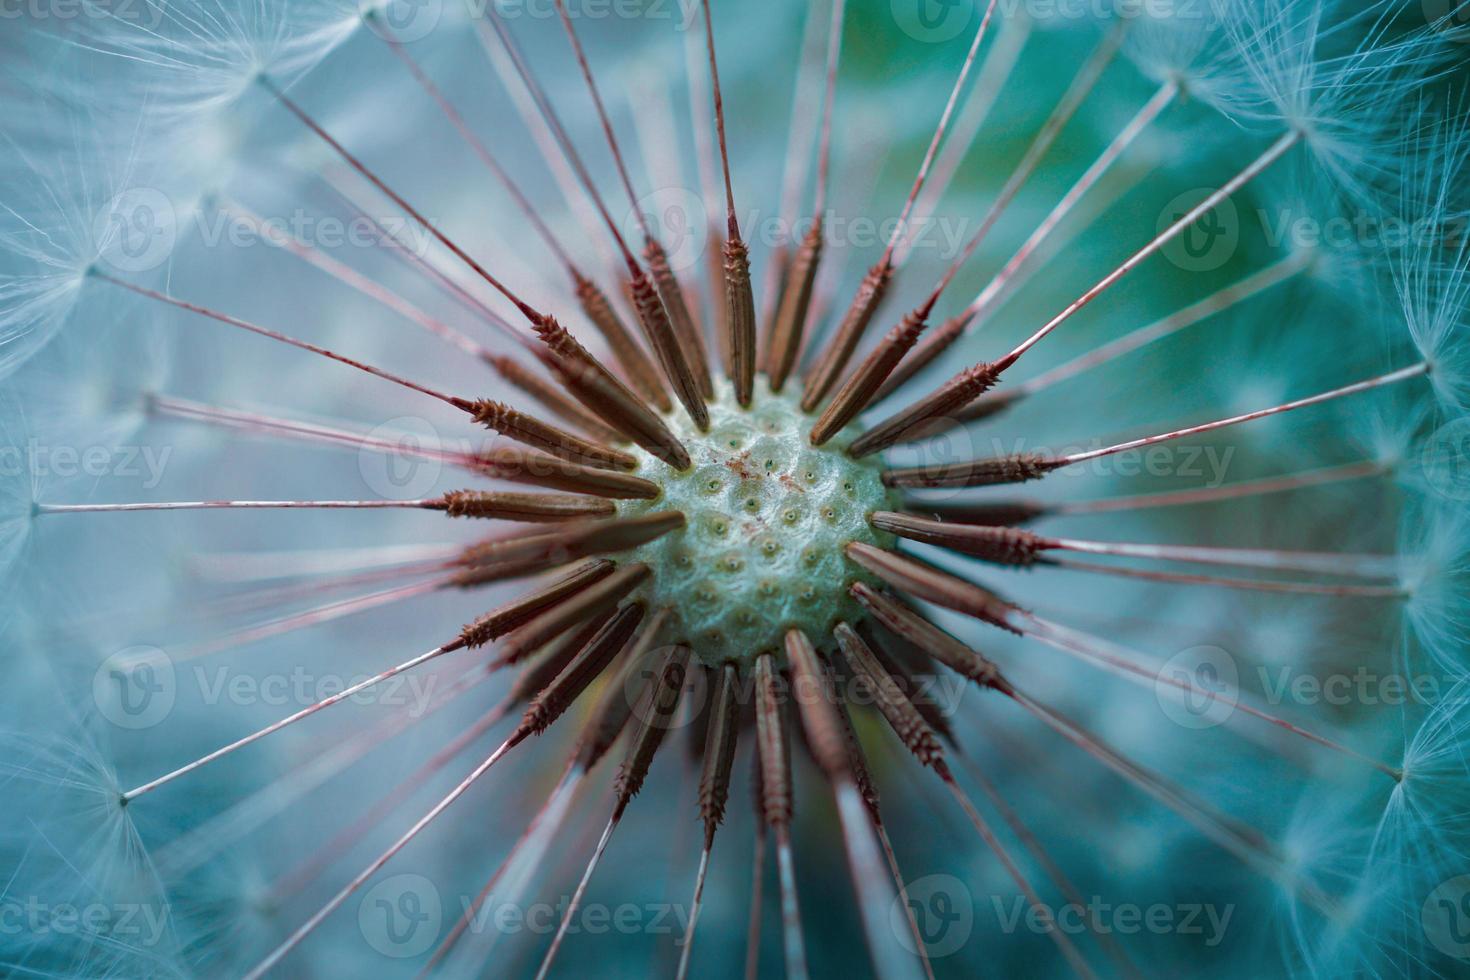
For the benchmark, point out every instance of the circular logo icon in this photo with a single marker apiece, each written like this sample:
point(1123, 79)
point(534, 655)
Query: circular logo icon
point(1446, 917)
point(401, 916)
point(943, 914)
point(1450, 18)
point(136, 230)
point(1198, 687)
point(932, 448)
point(640, 681)
point(1207, 243)
point(1446, 460)
point(402, 21)
point(932, 21)
point(677, 217)
point(399, 464)
point(135, 688)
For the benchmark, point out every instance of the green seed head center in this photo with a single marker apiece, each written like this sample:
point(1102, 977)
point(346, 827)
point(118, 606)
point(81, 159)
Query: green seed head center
point(767, 517)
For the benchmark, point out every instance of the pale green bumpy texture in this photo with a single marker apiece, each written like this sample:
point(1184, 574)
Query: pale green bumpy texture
point(767, 517)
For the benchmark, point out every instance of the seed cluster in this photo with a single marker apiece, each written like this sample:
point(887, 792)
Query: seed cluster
point(767, 517)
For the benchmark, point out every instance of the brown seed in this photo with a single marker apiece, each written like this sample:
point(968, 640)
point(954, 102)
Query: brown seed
point(719, 749)
point(784, 340)
point(659, 332)
point(773, 746)
point(913, 669)
point(932, 585)
point(588, 664)
point(533, 432)
point(537, 677)
point(934, 344)
point(1003, 545)
point(677, 307)
point(585, 604)
point(714, 276)
point(940, 405)
point(534, 508)
point(815, 704)
point(651, 722)
point(901, 714)
point(634, 361)
point(1017, 468)
point(739, 319)
point(559, 402)
point(990, 404)
point(1004, 513)
point(615, 706)
point(502, 620)
point(597, 388)
point(858, 391)
point(849, 332)
point(529, 466)
point(557, 547)
point(862, 776)
point(904, 621)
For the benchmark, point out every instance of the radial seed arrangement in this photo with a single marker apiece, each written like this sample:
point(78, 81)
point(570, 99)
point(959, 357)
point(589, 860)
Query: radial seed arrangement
point(752, 544)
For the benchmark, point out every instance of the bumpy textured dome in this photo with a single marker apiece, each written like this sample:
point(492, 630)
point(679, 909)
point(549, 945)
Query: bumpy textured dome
point(767, 517)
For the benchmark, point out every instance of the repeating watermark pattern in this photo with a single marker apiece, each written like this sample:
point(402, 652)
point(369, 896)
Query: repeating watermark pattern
point(1296, 228)
point(300, 687)
point(1445, 459)
point(227, 226)
point(136, 230)
point(134, 924)
point(1445, 917)
point(42, 460)
point(135, 688)
point(678, 219)
point(943, 911)
point(138, 687)
point(938, 21)
point(1198, 687)
point(1203, 919)
point(401, 916)
point(402, 461)
point(933, 21)
point(404, 915)
point(683, 14)
point(138, 12)
point(1450, 18)
point(591, 918)
point(404, 21)
point(1359, 687)
point(1210, 241)
point(944, 690)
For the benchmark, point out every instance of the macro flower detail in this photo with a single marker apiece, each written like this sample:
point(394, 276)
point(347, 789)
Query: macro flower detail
point(735, 490)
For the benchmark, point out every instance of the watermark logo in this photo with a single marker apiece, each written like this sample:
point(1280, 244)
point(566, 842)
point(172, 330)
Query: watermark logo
point(1450, 18)
point(678, 219)
point(1446, 917)
point(135, 688)
point(401, 916)
point(932, 446)
point(640, 683)
point(1446, 460)
point(932, 21)
point(1198, 688)
point(402, 21)
point(399, 461)
point(943, 912)
point(1207, 243)
point(136, 231)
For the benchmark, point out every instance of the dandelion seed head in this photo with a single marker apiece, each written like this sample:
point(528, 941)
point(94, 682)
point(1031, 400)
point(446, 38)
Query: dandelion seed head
point(767, 516)
point(1435, 545)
